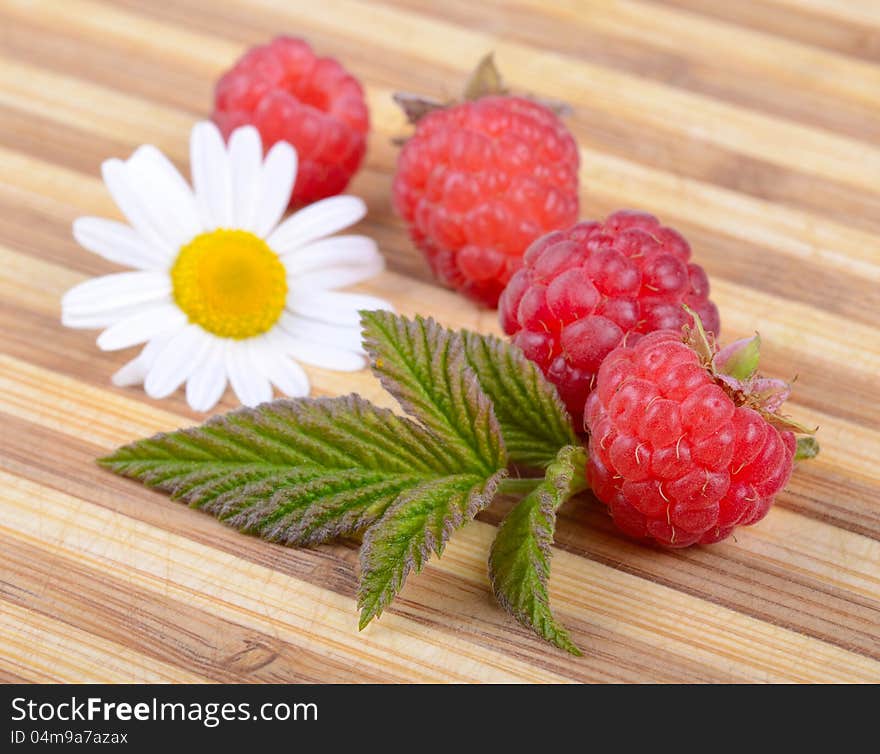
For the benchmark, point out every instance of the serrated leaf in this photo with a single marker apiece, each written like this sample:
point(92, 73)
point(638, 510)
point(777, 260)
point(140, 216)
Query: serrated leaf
point(519, 562)
point(423, 366)
point(533, 419)
point(419, 523)
point(295, 472)
point(301, 472)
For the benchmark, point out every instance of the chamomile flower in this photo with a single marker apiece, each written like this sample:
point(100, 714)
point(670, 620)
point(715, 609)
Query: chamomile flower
point(224, 291)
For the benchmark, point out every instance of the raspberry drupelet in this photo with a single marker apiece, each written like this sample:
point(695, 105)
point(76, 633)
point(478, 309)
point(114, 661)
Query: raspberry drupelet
point(583, 291)
point(680, 451)
point(313, 103)
point(478, 182)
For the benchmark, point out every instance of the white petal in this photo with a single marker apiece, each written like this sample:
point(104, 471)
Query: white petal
point(211, 176)
point(249, 383)
point(334, 277)
point(276, 184)
point(114, 291)
point(339, 336)
point(134, 372)
point(320, 219)
point(331, 252)
point(288, 376)
point(333, 262)
point(176, 361)
point(206, 384)
point(334, 307)
point(246, 165)
point(141, 327)
point(118, 243)
point(91, 321)
point(274, 362)
point(131, 373)
point(86, 319)
point(321, 355)
point(136, 207)
point(165, 195)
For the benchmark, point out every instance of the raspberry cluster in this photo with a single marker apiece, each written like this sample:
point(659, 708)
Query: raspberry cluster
point(290, 94)
point(686, 442)
point(583, 291)
point(672, 454)
point(478, 182)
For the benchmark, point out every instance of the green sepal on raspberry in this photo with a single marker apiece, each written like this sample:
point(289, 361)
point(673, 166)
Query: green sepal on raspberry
point(739, 360)
point(480, 179)
point(735, 367)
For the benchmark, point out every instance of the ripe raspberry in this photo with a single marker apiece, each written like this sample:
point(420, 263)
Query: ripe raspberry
point(681, 452)
point(478, 182)
point(289, 94)
point(584, 290)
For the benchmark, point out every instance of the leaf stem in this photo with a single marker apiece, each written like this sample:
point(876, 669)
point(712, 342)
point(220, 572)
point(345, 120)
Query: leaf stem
point(524, 485)
point(579, 482)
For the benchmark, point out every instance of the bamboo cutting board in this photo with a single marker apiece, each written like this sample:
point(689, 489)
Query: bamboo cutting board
point(753, 127)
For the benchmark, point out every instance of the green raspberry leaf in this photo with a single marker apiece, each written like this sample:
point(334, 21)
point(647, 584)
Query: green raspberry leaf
point(304, 471)
point(297, 472)
point(519, 562)
point(410, 357)
point(534, 421)
point(423, 366)
point(420, 522)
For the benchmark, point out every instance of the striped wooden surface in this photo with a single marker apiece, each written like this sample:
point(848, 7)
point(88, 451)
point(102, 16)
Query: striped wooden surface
point(753, 127)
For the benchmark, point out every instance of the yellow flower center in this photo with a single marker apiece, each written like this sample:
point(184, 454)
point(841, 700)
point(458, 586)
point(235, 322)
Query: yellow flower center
point(230, 282)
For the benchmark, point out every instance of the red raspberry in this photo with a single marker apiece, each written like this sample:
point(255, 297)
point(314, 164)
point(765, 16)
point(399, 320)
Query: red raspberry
point(678, 453)
point(584, 290)
point(478, 182)
point(290, 94)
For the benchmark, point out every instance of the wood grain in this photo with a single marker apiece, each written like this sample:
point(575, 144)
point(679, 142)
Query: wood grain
point(750, 126)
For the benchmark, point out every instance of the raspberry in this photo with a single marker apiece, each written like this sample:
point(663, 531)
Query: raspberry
point(478, 182)
point(583, 291)
point(680, 452)
point(290, 94)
